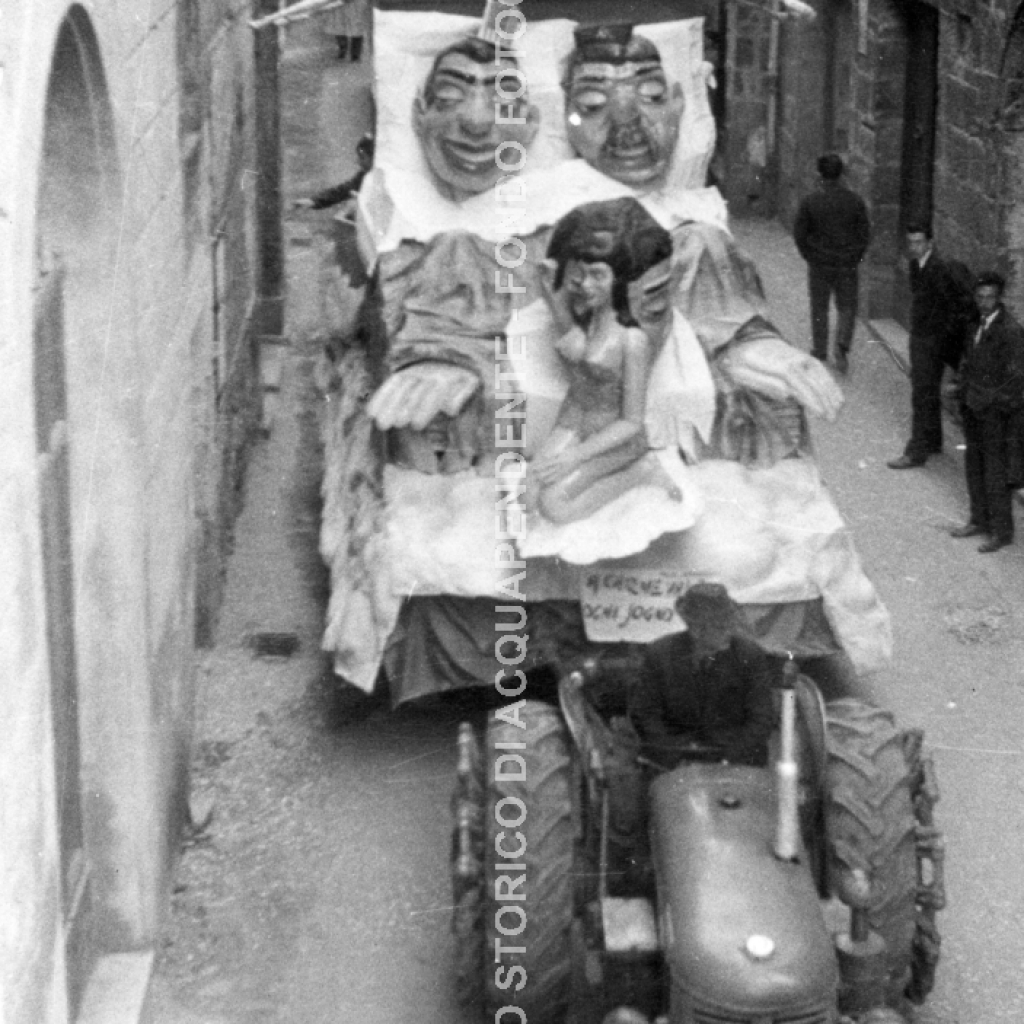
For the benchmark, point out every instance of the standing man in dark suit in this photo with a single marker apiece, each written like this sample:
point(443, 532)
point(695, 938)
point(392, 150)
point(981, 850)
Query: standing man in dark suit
point(937, 322)
point(992, 383)
point(832, 232)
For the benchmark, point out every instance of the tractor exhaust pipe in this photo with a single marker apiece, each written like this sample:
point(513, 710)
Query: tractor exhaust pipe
point(787, 829)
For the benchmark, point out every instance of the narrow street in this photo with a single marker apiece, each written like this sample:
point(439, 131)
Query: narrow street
point(318, 889)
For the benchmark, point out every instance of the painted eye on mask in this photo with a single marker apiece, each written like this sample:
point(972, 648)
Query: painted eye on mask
point(589, 101)
point(448, 96)
point(652, 91)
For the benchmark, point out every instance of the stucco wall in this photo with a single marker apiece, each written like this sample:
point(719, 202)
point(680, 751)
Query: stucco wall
point(162, 398)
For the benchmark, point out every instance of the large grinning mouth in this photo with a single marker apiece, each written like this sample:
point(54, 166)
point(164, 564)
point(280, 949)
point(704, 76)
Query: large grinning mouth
point(469, 157)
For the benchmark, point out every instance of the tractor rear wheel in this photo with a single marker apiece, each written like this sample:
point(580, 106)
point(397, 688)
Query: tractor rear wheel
point(529, 801)
point(870, 825)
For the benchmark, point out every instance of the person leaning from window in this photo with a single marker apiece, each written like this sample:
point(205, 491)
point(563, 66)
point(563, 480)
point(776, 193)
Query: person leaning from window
point(347, 189)
point(711, 685)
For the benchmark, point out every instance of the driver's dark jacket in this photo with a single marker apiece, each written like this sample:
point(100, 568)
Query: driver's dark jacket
point(725, 700)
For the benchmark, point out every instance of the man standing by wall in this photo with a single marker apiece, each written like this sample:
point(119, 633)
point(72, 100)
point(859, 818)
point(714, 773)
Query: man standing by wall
point(992, 382)
point(832, 232)
point(938, 319)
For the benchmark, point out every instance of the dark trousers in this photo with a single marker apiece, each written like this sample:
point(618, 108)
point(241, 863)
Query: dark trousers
point(987, 434)
point(927, 363)
point(823, 283)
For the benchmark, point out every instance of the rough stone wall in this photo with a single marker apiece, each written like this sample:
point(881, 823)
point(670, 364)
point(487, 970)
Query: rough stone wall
point(971, 201)
point(216, 125)
point(879, 153)
point(748, 184)
point(802, 75)
point(976, 164)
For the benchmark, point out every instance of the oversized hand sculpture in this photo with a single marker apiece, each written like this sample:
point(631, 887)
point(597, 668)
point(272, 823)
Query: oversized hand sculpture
point(775, 368)
point(413, 396)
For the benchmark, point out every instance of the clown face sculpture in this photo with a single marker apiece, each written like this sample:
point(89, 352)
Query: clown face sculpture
point(622, 113)
point(472, 116)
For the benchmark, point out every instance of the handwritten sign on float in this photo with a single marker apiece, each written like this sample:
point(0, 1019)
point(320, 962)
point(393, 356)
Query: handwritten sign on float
point(636, 605)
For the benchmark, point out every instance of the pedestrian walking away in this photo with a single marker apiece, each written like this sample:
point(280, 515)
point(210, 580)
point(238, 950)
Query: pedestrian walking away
point(832, 232)
point(941, 308)
point(992, 396)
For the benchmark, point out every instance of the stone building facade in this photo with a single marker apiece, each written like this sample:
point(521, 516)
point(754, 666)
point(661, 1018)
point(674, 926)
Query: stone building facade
point(922, 99)
point(137, 271)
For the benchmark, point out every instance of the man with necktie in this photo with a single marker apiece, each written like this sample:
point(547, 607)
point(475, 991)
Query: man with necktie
point(939, 310)
point(992, 395)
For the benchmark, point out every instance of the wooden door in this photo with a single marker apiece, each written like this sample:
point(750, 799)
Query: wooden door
point(920, 102)
point(52, 446)
point(917, 166)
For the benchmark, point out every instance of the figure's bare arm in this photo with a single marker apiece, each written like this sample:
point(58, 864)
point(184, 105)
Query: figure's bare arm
point(556, 299)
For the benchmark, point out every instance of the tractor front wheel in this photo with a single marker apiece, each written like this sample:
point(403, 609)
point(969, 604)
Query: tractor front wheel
point(870, 825)
point(528, 864)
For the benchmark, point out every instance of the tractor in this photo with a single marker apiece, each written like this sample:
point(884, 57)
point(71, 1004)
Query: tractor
point(593, 887)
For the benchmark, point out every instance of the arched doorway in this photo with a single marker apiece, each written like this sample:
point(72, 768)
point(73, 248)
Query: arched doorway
point(76, 223)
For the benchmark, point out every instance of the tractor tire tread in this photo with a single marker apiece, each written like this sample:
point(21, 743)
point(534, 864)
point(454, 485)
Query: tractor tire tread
point(871, 825)
point(549, 856)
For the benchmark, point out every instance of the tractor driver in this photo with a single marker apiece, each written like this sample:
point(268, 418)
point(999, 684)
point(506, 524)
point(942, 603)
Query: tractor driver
point(472, 116)
point(622, 113)
point(710, 686)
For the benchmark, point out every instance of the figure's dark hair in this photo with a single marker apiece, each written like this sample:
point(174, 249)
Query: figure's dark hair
point(990, 279)
point(619, 232)
point(480, 51)
point(830, 166)
point(920, 227)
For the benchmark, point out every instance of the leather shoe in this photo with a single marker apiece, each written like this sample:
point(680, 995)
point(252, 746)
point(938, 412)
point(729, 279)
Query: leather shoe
point(842, 361)
point(967, 530)
point(905, 462)
point(993, 544)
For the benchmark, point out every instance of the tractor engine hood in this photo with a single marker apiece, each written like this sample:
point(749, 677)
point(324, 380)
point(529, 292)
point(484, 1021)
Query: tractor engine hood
point(743, 932)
